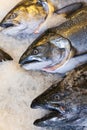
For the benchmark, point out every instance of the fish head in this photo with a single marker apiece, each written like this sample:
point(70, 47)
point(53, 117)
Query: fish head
point(46, 53)
point(53, 99)
point(59, 100)
point(14, 18)
point(26, 15)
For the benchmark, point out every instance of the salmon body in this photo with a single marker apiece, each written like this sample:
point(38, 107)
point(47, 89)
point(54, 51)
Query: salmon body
point(60, 49)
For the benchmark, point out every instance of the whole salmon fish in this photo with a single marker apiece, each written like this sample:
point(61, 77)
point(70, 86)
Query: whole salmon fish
point(59, 49)
point(67, 100)
point(32, 16)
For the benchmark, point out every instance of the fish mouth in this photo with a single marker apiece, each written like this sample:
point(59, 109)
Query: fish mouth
point(33, 62)
point(52, 119)
point(55, 118)
point(52, 106)
point(6, 25)
point(27, 61)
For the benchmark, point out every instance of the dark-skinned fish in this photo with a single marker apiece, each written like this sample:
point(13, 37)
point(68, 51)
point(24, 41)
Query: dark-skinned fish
point(30, 17)
point(4, 56)
point(60, 49)
point(67, 100)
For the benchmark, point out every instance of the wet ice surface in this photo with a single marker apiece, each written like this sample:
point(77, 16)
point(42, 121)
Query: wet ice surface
point(18, 88)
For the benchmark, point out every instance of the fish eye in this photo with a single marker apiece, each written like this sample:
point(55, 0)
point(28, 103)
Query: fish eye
point(35, 51)
point(12, 16)
point(56, 97)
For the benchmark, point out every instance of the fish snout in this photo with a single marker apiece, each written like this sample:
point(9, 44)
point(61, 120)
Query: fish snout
point(6, 25)
point(35, 104)
point(26, 60)
point(39, 103)
point(23, 61)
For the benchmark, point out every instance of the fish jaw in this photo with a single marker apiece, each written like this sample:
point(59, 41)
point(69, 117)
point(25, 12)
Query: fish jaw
point(6, 25)
point(61, 122)
point(32, 63)
point(22, 30)
point(51, 120)
point(4, 56)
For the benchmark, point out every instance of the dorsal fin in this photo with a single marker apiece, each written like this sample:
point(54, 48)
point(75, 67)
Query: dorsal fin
point(69, 9)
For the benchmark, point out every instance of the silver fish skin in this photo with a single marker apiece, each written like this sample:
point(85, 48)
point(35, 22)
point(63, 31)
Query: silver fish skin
point(4, 56)
point(67, 100)
point(60, 49)
point(31, 17)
